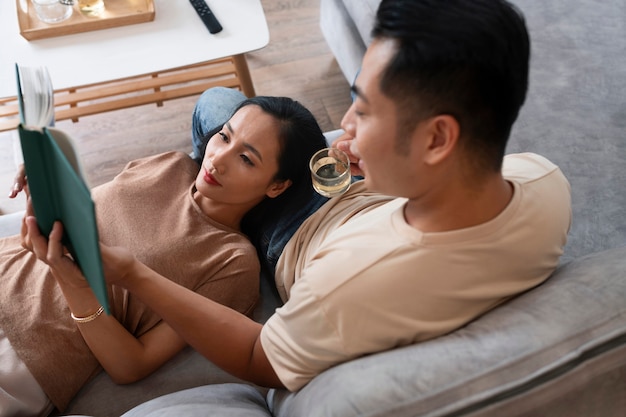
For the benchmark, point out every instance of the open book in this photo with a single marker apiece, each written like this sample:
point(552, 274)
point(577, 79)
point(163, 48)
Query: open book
point(55, 178)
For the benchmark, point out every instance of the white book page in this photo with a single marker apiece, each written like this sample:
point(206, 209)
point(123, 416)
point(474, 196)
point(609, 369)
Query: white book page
point(37, 95)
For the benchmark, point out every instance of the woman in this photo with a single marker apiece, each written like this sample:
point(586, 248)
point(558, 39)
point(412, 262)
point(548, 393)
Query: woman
point(269, 229)
point(180, 222)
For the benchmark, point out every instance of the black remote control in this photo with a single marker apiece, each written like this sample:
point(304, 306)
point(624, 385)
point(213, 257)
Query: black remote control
point(207, 16)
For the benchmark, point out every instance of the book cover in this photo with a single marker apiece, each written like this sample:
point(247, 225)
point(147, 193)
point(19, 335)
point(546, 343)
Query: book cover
point(55, 180)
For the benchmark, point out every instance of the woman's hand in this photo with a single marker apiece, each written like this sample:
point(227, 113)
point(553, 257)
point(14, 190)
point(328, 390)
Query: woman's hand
point(117, 262)
point(19, 183)
point(52, 252)
point(343, 143)
point(24, 231)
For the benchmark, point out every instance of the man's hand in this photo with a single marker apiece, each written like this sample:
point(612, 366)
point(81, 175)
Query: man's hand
point(344, 143)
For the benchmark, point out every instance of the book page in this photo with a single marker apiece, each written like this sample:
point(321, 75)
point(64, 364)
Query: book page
point(36, 102)
point(35, 96)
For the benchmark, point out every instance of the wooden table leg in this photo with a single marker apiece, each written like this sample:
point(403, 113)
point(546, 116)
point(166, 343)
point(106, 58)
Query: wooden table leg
point(243, 73)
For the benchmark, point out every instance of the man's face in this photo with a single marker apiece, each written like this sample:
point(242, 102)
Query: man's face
point(373, 121)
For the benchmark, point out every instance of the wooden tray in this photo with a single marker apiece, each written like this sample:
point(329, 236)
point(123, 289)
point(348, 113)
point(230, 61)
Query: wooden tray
point(117, 13)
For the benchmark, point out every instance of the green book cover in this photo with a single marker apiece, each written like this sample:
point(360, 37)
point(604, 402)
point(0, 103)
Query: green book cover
point(59, 192)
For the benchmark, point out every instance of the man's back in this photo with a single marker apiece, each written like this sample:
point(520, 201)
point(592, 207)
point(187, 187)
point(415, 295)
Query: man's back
point(359, 279)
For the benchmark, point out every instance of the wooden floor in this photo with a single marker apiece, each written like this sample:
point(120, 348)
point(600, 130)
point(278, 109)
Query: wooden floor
point(296, 63)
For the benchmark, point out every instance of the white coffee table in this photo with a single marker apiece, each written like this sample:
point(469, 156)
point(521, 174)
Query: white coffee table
point(171, 57)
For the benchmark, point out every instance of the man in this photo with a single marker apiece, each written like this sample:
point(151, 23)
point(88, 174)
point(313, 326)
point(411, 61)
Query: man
point(439, 90)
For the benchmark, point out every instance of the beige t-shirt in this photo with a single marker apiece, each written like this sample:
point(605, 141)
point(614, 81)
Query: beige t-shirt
point(359, 279)
point(149, 209)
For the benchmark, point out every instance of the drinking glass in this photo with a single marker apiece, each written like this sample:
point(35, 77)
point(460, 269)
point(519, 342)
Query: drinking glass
point(330, 172)
point(91, 7)
point(51, 11)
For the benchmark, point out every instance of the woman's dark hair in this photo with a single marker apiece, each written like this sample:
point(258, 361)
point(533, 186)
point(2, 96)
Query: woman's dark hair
point(468, 59)
point(299, 138)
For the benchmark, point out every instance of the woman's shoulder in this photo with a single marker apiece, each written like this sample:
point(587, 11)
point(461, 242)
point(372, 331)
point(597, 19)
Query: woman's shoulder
point(172, 158)
point(165, 169)
point(161, 165)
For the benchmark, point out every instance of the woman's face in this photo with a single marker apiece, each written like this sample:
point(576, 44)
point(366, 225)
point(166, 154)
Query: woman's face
point(241, 161)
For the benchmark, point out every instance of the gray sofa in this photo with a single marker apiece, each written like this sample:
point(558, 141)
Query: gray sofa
point(558, 349)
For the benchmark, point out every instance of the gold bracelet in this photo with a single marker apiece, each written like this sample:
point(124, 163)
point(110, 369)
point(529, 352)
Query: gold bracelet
point(88, 318)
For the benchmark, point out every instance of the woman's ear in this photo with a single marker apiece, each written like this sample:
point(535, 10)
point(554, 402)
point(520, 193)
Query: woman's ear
point(277, 188)
point(444, 133)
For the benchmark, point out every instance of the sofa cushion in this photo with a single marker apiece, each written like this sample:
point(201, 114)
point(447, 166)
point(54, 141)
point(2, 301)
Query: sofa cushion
point(236, 400)
point(186, 370)
point(363, 13)
point(547, 335)
point(342, 36)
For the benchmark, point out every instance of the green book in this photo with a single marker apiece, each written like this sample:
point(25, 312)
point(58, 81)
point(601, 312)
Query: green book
point(57, 186)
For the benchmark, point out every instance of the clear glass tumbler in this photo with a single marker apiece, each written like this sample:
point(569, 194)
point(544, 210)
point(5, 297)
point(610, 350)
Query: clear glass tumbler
point(52, 11)
point(330, 172)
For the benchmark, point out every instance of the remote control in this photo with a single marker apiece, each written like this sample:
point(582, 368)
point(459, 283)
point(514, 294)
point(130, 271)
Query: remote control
point(207, 16)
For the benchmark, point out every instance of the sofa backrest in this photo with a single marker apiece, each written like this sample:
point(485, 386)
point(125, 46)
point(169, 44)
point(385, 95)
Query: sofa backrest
point(535, 355)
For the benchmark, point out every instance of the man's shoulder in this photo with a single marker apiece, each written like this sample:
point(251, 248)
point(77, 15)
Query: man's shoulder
point(526, 166)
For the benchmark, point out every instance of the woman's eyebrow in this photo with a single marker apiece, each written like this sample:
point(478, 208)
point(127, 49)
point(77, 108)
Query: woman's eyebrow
point(253, 150)
point(245, 144)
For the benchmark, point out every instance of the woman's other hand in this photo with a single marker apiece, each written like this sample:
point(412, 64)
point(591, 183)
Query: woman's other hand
point(19, 183)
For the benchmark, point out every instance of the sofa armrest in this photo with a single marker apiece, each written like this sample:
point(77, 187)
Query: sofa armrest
point(333, 135)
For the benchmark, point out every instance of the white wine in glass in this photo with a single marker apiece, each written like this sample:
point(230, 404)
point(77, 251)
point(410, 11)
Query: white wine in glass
point(330, 172)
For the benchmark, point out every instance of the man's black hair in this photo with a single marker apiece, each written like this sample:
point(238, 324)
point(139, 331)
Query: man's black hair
point(465, 58)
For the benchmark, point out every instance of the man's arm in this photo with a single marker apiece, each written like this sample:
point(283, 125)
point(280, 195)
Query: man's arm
point(224, 336)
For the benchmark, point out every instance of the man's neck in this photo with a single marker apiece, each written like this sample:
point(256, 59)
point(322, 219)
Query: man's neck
point(458, 206)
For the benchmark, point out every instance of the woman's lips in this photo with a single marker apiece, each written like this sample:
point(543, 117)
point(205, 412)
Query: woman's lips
point(210, 179)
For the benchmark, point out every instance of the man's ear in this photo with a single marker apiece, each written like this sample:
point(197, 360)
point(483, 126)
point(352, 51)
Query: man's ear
point(277, 188)
point(443, 136)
